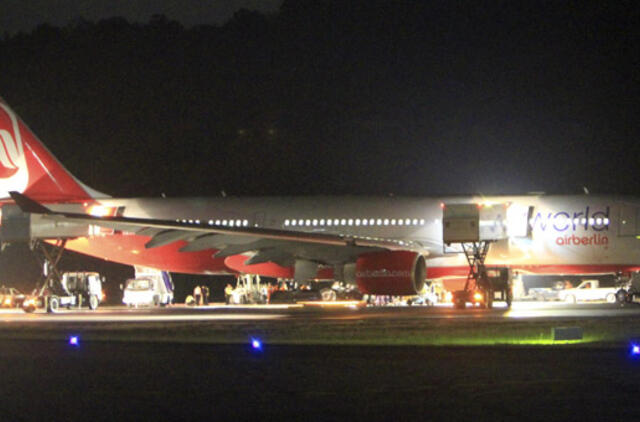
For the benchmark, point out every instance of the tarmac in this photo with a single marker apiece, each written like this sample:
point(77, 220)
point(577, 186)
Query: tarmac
point(321, 311)
point(183, 363)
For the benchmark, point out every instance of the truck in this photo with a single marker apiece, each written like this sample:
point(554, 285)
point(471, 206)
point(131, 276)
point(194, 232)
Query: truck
point(588, 290)
point(11, 298)
point(75, 290)
point(150, 287)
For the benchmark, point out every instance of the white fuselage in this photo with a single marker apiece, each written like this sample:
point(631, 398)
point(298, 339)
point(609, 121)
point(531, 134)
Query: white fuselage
point(584, 230)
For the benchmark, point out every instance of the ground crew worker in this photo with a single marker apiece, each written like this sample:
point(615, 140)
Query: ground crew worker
point(272, 288)
point(227, 293)
point(197, 295)
point(205, 293)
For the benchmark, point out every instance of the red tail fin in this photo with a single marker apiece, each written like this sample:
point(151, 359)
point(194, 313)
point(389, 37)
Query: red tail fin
point(27, 166)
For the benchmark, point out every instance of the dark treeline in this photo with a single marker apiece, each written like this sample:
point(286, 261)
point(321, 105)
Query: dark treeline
point(337, 97)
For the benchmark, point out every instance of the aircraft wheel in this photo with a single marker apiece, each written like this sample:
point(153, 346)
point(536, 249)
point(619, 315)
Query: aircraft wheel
point(328, 295)
point(53, 304)
point(611, 298)
point(29, 309)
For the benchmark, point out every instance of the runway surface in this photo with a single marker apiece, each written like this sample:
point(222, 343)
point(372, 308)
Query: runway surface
point(345, 324)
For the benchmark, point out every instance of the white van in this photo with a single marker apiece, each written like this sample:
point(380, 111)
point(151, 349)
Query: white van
point(150, 287)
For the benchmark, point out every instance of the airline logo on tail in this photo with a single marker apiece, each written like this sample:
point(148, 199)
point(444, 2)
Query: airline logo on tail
point(14, 174)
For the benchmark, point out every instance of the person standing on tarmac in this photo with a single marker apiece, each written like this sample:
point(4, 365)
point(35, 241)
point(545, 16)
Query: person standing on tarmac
point(227, 293)
point(205, 294)
point(197, 295)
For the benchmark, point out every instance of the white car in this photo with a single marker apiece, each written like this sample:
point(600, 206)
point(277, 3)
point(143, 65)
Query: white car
point(588, 290)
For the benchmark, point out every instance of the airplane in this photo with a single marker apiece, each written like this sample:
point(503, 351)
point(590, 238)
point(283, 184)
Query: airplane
point(385, 245)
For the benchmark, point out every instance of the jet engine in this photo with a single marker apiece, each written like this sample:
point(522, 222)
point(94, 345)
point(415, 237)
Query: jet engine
point(395, 273)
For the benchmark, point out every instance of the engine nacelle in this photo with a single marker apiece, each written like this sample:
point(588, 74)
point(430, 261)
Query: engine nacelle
point(396, 273)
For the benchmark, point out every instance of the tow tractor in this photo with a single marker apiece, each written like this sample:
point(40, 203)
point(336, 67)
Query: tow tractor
point(629, 290)
point(70, 289)
point(473, 228)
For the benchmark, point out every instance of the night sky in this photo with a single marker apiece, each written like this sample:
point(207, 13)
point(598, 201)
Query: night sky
point(371, 97)
point(331, 97)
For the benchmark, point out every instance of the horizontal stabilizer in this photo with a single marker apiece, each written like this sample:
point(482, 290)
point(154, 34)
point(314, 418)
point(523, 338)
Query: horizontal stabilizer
point(27, 204)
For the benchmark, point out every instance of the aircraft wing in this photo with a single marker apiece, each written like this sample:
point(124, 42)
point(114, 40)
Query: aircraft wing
point(269, 244)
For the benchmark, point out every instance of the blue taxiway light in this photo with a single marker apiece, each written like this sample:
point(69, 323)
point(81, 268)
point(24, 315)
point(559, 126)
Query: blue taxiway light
point(635, 350)
point(256, 344)
point(74, 341)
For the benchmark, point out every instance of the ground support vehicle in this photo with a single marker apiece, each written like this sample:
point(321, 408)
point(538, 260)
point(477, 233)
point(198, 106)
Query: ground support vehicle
point(547, 293)
point(150, 287)
point(630, 291)
point(249, 290)
point(71, 289)
point(315, 291)
point(429, 296)
point(484, 285)
point(422, 300)
point(75, 290)
point(491, 284)
point(588, 290)
point(296, 295)
point(146, 292)
point(11, 298)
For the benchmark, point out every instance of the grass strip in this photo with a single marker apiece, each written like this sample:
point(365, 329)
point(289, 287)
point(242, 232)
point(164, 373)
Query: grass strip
point(597, 331)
